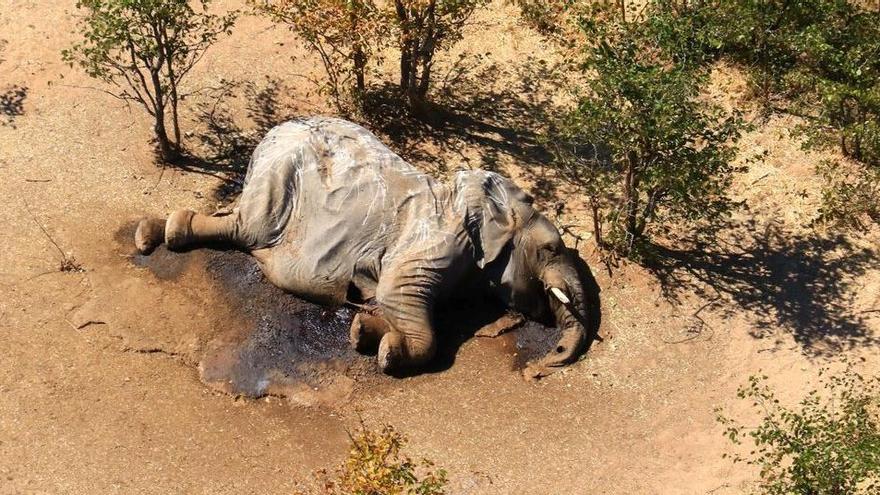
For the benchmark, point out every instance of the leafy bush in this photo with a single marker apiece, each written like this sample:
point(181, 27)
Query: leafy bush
point(548, 17)
point(422, 28)
point(344, 33)
point(838, 88)
point(144, 49)
point(759, 34)
point(641, 144)
point(838, 78)
point(376, 466)
point(828, 444)
point(822, 55)
point(851, 197)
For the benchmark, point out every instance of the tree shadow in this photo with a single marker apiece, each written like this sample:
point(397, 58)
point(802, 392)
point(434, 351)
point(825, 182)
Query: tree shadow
point(468, 116)
point(12, 104)
point(804, 284)
point(225, 145)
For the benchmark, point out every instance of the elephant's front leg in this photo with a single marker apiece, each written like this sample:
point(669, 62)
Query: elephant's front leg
point(367, 330)
point(406, 295)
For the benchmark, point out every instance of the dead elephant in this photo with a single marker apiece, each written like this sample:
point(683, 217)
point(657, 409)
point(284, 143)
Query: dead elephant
point(334, 216)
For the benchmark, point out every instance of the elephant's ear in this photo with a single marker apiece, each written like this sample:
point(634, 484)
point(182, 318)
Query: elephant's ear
point(495, 209)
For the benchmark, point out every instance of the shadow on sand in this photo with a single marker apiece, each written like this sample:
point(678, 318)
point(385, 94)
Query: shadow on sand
point(224, 146)
point(803, 284)
point(469, 117)
point(12, 104)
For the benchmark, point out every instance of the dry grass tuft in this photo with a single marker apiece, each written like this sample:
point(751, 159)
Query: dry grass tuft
point(376, 466)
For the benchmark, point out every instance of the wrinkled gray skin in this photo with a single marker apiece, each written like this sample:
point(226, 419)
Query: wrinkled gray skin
point(334, 216)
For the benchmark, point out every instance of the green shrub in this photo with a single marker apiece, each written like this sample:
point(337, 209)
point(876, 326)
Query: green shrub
point(642, 145)
point(837, 80)
point(376, 466)
point(823, 57)
point(760, 35)
point(548, 17)
point(828, 444)
point(346, 33)
point(143, 49)
point(851, 196)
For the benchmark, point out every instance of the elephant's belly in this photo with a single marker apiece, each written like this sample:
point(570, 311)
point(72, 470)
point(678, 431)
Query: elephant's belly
point(297, 276)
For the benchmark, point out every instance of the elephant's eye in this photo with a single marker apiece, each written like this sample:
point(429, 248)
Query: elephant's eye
point(549, 249)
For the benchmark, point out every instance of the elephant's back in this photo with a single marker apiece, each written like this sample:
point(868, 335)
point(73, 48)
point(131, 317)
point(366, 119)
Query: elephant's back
point(332, 201)
point(317, 166)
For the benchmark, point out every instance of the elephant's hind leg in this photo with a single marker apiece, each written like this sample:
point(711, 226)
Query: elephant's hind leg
point(186, 229)
point(149, 235)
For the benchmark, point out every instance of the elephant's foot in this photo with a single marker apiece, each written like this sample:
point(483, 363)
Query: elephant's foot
point(391, 352)
point(149, 234)
point(359, 341)
point(367, 331)
point(178, 229)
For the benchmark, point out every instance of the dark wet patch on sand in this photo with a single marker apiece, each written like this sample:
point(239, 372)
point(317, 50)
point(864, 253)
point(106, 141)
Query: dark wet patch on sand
point(280, 345)
point(164, 264)
point(532, 341)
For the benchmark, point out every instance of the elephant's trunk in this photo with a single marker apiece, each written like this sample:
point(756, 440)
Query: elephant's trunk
point(568, 303)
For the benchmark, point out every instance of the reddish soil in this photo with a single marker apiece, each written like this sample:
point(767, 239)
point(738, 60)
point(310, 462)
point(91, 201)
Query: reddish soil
point(136, 374)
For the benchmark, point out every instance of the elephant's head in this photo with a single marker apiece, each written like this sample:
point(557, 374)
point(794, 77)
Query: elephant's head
point(525, 262)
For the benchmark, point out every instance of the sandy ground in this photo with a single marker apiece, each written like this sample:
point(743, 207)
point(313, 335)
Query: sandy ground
point(103, 372)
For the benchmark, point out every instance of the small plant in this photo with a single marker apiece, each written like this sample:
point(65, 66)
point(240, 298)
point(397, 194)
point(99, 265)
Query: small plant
point(376, 466)
point(344, 33)
point(67, 263)
point(144, 49)
point(828, 444)
point(641, 144)
point(851, 196)
point(548, 17)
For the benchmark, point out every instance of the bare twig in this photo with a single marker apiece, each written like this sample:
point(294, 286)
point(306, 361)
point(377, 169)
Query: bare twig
point(161, 174)
point(695, 330)
point(760, 178)
point(68, 263)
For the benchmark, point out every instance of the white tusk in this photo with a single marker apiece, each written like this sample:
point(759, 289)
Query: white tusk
point(560, 295)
